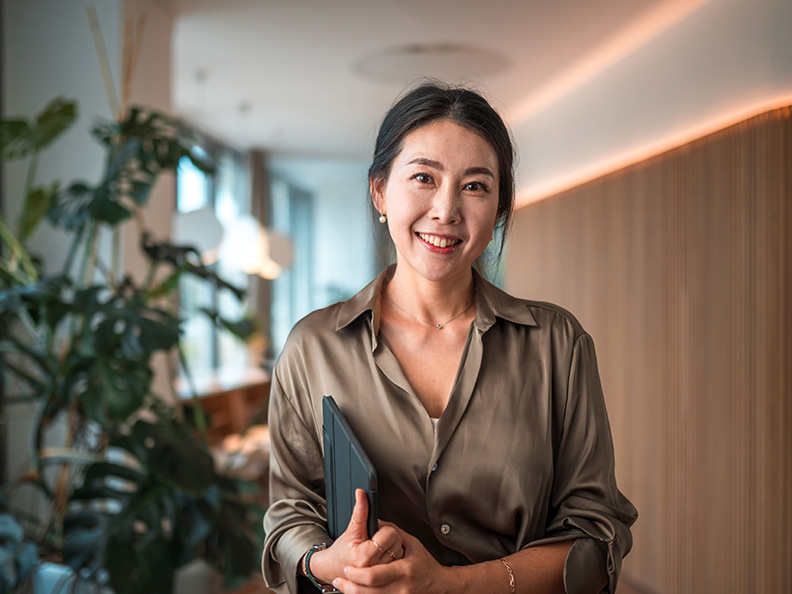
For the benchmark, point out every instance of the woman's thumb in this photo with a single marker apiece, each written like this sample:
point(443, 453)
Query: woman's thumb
point(358, 522)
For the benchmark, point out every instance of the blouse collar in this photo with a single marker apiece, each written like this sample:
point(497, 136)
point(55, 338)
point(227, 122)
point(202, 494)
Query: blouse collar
point(492, 303)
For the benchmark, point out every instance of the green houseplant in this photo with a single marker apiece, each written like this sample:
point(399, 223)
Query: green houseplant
point(133, 490)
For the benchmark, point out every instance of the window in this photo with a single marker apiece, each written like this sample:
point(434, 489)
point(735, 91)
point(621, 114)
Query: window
point(205, 346)
point(322, 206)
point(293, 294)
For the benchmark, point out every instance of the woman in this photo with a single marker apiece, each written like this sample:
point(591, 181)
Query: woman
point(482, 413)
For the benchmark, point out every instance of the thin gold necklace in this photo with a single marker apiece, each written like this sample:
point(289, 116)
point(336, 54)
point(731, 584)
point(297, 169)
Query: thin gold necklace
point(440, 325)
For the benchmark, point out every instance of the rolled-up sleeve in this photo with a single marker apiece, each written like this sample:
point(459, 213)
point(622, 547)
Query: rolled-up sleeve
point(297, 518)
point(586, 502)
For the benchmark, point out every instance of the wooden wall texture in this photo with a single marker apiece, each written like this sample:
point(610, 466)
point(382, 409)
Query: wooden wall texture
point(680, 267)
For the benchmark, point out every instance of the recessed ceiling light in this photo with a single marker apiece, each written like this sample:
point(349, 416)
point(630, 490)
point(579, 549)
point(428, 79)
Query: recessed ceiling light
point(446, 61)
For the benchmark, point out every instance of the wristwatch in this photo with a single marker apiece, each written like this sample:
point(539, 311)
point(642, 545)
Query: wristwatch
point(306, 567)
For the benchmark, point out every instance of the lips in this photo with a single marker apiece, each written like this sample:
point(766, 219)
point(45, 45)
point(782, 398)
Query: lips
point(438, 241)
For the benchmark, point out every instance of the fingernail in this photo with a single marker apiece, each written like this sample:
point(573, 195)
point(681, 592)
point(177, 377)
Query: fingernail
point(337, 583)
point(345, 571)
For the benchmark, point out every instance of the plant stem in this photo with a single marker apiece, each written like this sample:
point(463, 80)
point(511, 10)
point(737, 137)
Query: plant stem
point(200, 417)
point(101, 52)
point(90, 246)
point(145, 286)
point(29, 181)
point(75, 245)
point(93, 254)
point(62, 490)
point(115, 259)
point(34, 442)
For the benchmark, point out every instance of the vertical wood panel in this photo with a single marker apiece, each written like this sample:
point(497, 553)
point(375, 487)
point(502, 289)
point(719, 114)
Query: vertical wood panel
point(680, 267)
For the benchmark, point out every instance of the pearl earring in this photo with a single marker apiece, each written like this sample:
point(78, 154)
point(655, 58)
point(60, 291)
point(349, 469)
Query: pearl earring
point(382, 217)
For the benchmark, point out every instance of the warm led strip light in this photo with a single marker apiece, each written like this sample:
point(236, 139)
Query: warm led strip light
point(552, 187)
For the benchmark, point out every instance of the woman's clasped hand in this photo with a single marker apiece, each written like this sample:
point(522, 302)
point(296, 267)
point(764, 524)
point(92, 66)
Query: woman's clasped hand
point(417, 571)
point(355, 549)
point(390, 561)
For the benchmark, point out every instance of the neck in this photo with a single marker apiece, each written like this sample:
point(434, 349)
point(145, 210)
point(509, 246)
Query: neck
point(431, 300)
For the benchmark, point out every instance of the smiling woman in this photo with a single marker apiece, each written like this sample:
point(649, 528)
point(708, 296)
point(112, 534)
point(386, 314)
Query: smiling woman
point(482, 413)
point(441, 201)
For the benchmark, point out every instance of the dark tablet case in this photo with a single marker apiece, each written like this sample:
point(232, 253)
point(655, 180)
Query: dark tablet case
point(347, 467)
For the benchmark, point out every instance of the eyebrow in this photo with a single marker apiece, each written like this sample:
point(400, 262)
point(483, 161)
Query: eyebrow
point(439, 166)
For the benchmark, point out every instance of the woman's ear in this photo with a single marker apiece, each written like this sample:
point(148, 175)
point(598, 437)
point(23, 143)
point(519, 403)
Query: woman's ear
point(377, 196)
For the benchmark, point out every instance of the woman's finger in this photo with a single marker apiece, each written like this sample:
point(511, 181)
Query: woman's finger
point(373, 577)
point(386, 554)
point(389, 543)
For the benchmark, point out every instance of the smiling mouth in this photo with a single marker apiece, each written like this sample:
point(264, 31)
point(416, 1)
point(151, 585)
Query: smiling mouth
point(440, 242)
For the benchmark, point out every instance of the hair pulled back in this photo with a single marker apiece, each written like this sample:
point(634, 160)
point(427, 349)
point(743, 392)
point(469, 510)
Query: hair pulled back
point(433, 101)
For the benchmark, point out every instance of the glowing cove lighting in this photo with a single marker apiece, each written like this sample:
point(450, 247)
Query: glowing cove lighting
point(654, 22)
point(586, 173)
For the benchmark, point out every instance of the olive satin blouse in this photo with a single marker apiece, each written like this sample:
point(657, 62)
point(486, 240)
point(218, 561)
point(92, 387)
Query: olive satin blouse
point(522, 454)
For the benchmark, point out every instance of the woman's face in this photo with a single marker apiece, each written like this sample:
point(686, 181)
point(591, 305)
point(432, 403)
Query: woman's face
point(441, 200)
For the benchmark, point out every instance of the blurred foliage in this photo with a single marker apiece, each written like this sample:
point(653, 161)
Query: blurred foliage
point(135, 492)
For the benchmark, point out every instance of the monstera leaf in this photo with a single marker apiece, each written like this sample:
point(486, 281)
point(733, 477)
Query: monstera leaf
point(140, 147)
point(19, 138)
point(185, 259)
point(38, 204)
point(81, 203)
point(106, 364)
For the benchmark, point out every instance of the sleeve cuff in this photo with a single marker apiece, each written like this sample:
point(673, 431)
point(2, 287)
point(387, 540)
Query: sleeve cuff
point(585, 568)
point(281, 574)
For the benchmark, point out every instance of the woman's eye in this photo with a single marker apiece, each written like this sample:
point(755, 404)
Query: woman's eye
point(475, 187)
point(424, 178)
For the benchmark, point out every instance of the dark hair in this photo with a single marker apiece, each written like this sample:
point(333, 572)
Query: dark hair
point(434, 101)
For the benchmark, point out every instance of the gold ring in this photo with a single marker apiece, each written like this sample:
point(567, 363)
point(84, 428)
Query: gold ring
point(388, 551)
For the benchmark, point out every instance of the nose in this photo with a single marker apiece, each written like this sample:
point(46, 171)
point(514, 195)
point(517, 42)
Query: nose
point(445, 206)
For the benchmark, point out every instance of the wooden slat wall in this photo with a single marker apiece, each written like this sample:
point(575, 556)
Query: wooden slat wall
point(680, 267)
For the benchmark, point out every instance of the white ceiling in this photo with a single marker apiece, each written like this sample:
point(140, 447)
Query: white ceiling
point(280, 74)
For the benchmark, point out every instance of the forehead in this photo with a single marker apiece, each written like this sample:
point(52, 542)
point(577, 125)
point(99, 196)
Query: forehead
point(448, 143)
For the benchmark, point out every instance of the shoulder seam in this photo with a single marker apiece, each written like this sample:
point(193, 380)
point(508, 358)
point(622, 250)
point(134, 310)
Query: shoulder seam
point(558, 311)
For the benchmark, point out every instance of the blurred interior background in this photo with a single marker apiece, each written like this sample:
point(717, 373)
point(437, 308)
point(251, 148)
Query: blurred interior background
point(654, 193)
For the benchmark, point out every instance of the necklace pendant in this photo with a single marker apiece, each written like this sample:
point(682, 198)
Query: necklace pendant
point(439, 326)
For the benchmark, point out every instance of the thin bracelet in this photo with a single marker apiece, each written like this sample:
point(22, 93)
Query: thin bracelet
point(323, 588)
point(511, 574)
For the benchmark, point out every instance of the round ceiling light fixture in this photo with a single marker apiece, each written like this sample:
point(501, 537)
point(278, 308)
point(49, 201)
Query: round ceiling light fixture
point(446, 61)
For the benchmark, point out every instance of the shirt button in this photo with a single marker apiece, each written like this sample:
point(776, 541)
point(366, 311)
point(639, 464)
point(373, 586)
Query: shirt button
point(445, 529)
point(434, 467)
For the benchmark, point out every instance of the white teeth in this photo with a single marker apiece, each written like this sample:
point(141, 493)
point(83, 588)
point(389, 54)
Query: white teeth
point(437, 241)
